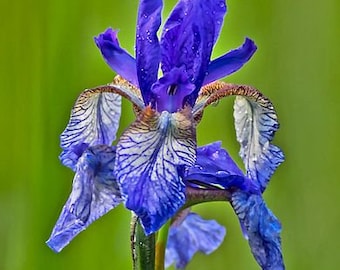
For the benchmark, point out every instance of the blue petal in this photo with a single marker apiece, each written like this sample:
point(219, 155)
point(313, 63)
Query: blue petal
point(148, 156)
point(147, 45)
point(170, 90)
point(94, 193)
point(188, 41)
point(214, 168)
point(230, 62)
point(94, 120)
point(116, 57)
point(192, 235)
point(256, 123)
point(262, 229)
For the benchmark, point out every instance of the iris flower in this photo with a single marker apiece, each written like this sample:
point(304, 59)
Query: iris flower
point(156, 160)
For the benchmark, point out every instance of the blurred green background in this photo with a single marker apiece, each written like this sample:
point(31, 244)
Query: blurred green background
point(48, 57)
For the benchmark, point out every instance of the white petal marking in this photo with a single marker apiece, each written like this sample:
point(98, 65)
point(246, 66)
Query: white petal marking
point(256, 123)
point(148, 156)
point(94, 119)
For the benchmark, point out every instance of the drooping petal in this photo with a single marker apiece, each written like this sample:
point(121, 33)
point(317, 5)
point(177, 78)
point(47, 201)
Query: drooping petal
point(255, 123)
point(94, 193)
point(148, 156)
point(188, 38)
point(230, 62)
point(94, 120)
point(147, 45)
point(262, 229)
point(116, 57)
point(127, 90)
point(215, 169)
point(192, 235)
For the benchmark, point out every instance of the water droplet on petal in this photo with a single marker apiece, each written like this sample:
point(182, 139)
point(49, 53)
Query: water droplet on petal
point(198, 167)
point(222, 173)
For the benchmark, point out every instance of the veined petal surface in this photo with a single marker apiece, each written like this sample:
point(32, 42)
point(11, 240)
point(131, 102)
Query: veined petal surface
point(262, 229)
point(255, 124)
point(94, 120)
point(94, 193)
point(149, 154)
point(194, 234)
point(116, 57)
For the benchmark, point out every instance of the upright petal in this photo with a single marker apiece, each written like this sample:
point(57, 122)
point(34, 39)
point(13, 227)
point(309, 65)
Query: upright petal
point(215, 169)
point(147, 45)
point(116, 57)
point(255, 124)
point(149, 154)
point(188, 41)
point(230, 62)
point(192, 235)
point(94, 120)
point(262, 229)
point(94, 193)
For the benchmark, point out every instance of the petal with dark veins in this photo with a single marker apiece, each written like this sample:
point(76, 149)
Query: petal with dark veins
point(149, 155)
point(94, 193)
point(255, 123)
point(94, 120)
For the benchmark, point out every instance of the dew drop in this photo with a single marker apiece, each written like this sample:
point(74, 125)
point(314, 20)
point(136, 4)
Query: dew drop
point(222, 173)
point(198, 167)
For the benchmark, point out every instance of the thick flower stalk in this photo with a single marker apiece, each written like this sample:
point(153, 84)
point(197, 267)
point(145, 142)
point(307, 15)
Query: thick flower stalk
point(156, 169)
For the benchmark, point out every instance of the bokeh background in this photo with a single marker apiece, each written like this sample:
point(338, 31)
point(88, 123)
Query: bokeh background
point(48, 57)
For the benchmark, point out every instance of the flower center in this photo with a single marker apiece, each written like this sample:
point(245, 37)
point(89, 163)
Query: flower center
point(171, 89)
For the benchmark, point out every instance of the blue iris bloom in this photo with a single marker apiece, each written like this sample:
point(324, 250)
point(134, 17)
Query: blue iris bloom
point(163, 138)
point(156, 159)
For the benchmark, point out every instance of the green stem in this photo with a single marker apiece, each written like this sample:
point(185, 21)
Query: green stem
point(162, 238)
point(142, 247)
point(146, 254)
